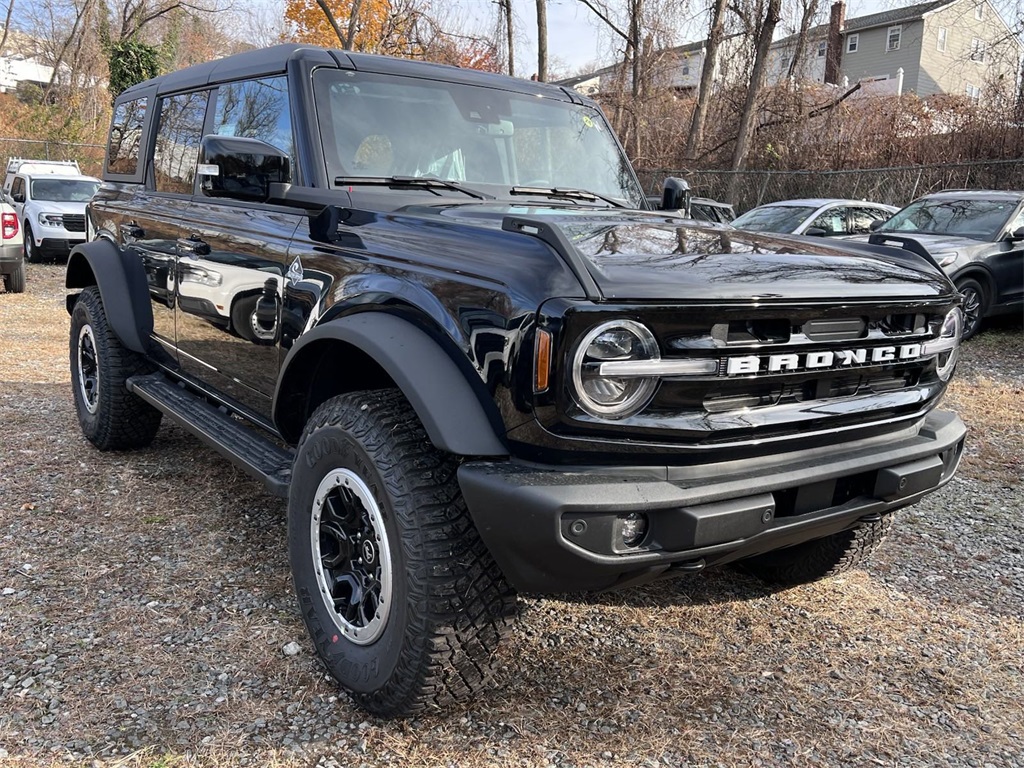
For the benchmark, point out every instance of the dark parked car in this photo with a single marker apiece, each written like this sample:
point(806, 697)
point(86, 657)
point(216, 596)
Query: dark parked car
point(424, 305)
point(977, 236)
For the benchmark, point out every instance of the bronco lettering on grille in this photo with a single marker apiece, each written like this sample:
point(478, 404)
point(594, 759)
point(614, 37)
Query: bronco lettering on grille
point(807, 361)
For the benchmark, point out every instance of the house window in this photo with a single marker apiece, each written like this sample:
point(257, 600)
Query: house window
point(973, 92)
point(686, 67)
point(852, 43)
point(979, 11)
point(822, 49)
point(785, 62)
point(940, 44)
point(978, 48)
point(892, 42)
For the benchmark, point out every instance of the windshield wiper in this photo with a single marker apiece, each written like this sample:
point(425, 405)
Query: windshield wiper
point(567, 193)
point(426, 182)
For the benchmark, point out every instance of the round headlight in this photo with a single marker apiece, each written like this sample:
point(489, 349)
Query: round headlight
point(613, 397)
point(952, 328)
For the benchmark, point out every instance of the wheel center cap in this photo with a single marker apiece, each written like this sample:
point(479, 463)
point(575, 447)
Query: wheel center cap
point(369, 552)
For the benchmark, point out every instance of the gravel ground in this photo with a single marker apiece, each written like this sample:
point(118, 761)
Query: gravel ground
point(146, 619)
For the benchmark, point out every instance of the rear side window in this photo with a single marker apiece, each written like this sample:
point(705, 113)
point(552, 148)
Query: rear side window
point(256, 109)
point(126, 137)
point(177, 141)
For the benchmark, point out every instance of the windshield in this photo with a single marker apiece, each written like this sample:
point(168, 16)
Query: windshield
point(976, 219)
point(382, 126)
point(774, 218)
point(64, 190)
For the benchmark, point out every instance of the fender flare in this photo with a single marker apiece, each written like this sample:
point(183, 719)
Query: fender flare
point(123, 288)
point(452, 411)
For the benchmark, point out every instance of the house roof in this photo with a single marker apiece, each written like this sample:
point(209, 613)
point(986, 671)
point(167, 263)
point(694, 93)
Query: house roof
point(895, 16)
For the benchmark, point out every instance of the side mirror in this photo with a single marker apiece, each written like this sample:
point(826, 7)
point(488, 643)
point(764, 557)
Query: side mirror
point(240, 168)
point(815, 232)
point(18, 197)
point(675, 195)
point(874, 225)
point(1016, 236)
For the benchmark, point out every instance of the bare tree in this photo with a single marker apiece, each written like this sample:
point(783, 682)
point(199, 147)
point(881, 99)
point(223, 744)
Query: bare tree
point(749, 114)
point(707, 74)
point(7, 24)
point(809, 11)
point(542, 40)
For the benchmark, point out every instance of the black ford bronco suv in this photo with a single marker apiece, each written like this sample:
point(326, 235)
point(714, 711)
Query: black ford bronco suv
point(424, 304)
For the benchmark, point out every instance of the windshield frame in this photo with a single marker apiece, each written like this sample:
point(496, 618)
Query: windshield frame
point(628, 188)
point(991, 236)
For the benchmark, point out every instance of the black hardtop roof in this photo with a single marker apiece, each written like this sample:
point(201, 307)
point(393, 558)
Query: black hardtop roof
point(274, 61)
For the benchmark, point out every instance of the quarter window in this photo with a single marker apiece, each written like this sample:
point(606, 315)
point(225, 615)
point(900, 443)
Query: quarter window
point(256, 109)
point(126, 137)
point(940, 44)
point(892, 42)
point(852, 43)
point(177, 141)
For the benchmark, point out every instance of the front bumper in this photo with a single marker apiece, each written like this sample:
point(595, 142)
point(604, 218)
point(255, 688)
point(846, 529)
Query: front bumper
point(558, 529)
point(58, 246)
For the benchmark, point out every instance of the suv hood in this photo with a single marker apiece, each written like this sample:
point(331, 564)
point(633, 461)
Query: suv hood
point(636, 255)
point(47, 206)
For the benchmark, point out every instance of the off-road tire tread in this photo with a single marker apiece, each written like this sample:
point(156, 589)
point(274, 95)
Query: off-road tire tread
point(460, 606)
point(124, 421)
point(16, 279)
point(821, 558)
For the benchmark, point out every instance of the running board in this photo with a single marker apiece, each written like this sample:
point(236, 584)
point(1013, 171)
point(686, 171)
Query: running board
point(241, 445)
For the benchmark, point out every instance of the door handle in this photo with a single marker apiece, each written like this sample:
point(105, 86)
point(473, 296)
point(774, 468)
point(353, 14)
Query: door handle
point(132, 231)
point(193, 246)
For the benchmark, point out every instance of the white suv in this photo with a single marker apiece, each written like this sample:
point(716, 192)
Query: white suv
point(50, 199)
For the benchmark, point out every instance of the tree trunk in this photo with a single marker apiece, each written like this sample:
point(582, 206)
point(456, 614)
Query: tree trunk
point(7, 24)
point(707, 74)
point(353, 24)
point(506, 9)
point(749, 114)
point(542, 40)
point(810, 11)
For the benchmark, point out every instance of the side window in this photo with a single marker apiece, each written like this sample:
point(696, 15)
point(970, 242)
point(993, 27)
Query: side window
point(833, 221)
point(18, 189)
point(177, 141)
point(126, 137)
point(256, 109)
point(861, 218)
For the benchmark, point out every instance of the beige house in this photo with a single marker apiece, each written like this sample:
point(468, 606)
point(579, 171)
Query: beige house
point(947, 46)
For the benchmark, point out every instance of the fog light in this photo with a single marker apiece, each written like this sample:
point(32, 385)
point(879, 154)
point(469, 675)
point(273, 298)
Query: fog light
point(632, 528)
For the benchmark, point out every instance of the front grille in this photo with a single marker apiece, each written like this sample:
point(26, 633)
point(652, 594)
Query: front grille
point(74, 222)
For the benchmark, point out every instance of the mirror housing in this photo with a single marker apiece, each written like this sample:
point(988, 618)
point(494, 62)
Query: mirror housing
point(874, 225)
point(815, 232)
point(1016, 236)
point(675, 195)
point(240, 168)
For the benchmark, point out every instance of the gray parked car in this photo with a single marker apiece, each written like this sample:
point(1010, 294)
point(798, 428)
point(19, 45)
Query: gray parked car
point(977, 237)
point(824, 217)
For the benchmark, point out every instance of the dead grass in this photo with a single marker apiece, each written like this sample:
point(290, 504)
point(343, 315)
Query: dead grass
point(157, 600)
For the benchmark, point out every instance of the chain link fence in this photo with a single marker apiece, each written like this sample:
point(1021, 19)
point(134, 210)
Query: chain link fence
point(89, 156)
point(895, 186)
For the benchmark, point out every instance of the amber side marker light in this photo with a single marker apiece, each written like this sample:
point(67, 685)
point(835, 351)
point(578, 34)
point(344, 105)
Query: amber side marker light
point(541, 360)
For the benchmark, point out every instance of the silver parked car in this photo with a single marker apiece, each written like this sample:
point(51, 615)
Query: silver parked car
point(977, 237)
point(825, 217)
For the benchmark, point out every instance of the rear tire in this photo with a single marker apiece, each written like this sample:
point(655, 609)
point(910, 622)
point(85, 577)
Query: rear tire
point(112, 418)
point(976, 299)
point(821, 558)
point(402, 600)
point(16, 279)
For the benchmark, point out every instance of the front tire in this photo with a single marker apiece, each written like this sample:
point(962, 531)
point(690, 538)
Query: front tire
point(31, 252)
point(975, 305)
point(403, 602)
point(821, 558)
point(111, 417)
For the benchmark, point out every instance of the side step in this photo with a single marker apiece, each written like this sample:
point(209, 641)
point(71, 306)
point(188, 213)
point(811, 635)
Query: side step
point(242, 446)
